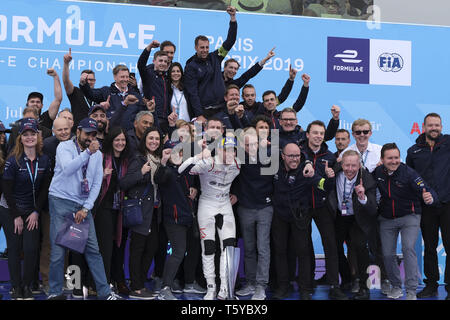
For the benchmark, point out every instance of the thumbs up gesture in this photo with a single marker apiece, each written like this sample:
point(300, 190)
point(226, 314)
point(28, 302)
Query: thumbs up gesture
point(360, 191)
point(329, 171)
point(427, 197)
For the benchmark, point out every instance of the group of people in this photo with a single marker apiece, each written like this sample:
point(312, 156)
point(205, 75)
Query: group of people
point(206, 169)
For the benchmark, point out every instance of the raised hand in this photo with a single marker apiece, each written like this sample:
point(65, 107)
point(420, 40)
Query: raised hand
point(306, 78)
point(106, 104)
point(329, 171)
point(130, 99)
point(165, 156)
point(51, 72)
point(308, 171)
point(68, 56)
point(360, 191)
point(153, 44)
point(292, 73)
point(335, 112)
point(427, 197)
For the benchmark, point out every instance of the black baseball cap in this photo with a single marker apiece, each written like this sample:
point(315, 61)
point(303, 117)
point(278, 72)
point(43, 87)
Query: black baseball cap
point(36, 95)
point(95, 107)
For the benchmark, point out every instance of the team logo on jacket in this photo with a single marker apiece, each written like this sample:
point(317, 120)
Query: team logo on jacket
point(291, 179)
point(419, 182)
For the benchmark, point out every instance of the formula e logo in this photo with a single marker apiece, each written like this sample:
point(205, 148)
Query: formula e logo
point(348, 56)
point(390, 62)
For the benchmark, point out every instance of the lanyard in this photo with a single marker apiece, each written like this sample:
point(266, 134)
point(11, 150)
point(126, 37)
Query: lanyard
point(345, 195)
point(33, 179)
point(84, 169)
point(90, 104)
point(177, 101)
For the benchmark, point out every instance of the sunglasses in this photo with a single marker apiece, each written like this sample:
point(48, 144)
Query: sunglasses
point(358, 132)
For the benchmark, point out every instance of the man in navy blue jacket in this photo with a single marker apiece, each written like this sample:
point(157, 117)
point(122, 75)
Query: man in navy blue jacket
point(123, 101)
point(203, 78)
point(430, 157)
point(155, 83)
point(403, 193)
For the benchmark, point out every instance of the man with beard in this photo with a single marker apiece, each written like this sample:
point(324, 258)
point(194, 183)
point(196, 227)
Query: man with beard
point(430, 157)
point(75, 185)
point(98, 113)
point(342, 140)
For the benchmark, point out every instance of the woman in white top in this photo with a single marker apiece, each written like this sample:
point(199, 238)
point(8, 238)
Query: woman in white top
point(179, 103)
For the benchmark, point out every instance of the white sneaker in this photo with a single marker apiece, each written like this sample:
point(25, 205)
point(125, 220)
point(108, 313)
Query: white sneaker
point(223, 293)
point(395, 293)
point(411, 295)
point(210, 293)
point(247, 290)
point(260, 293)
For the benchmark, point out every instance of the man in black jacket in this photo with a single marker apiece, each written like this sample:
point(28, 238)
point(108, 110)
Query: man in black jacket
point(353, 204)
point(403, 193)
point(123, 101)
point(316, 150)
point(430, 157)
point(203, 78)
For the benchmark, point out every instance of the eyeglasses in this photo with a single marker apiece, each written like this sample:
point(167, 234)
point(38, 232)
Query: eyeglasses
point(292, 156)
point(289, 119)
point(358, 132)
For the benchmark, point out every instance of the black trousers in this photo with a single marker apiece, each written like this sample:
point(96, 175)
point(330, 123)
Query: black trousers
point(325, 224)
point(282, 231)
point(347, 229)
point(187, 271)
point(28, 241)
point(142, 251)
point(161, 253)
point(434, 218)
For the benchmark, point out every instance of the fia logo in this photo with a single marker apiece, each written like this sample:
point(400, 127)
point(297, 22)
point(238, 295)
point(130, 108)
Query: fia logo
point(390, 62)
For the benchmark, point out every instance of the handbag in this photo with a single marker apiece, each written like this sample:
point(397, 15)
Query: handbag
point(132, 211)
point(73, 235)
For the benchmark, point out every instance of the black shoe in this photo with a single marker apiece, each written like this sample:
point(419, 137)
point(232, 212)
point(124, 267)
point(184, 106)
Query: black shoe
point(347, 286)
point(35, 288)
point(16, 293)
point(363, 294)
point(27, 293)
point(77, 294)
point(281, 293)
point(428, 292)
point(305, 295)
point(337, 294)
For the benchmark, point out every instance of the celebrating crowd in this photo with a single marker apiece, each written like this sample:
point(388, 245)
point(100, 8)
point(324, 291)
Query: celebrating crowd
point(177, 158)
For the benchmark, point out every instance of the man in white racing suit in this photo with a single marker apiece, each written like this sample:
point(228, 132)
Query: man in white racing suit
point(216, 175)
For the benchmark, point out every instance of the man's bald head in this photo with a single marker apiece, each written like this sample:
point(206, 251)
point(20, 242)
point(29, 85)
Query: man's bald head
point(291, 156)
point(61, 128)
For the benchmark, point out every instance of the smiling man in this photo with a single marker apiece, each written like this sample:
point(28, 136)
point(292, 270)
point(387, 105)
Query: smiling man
point(403, 194)
point(204, 82)
point(430, 157)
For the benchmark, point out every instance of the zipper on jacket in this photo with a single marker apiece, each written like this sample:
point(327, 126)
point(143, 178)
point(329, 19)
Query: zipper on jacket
point(164, 83)
point(393, 204)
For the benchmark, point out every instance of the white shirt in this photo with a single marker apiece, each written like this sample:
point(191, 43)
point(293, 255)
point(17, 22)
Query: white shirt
point(180, 104)
point(349, 188)
point(370, 157)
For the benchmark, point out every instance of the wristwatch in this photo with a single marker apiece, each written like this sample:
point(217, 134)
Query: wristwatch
point(85, 210)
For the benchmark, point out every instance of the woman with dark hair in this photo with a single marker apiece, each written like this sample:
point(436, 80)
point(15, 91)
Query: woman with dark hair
point(25, 181)
point(179, 101)
point(139, 183)
point(108, 216)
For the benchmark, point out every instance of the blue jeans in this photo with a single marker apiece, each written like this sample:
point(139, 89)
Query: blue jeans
point(408, 227)
point(255, 228)
point(59, 208)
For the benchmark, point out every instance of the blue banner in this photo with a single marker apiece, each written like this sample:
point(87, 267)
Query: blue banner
point(394, 76)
